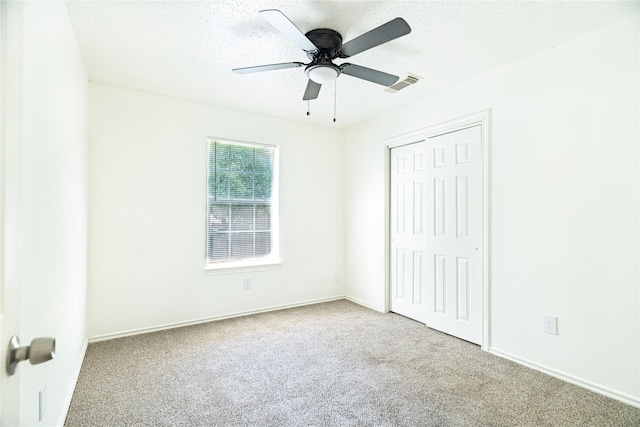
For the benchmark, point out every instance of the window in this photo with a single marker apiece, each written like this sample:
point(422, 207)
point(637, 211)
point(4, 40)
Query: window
point(241, 204)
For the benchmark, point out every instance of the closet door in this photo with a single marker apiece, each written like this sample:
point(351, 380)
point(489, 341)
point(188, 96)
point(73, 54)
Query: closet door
point(408, 230)
point(454, 241)
point(436, 232)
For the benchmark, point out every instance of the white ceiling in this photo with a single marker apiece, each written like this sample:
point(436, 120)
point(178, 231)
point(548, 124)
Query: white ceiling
point(188, 49)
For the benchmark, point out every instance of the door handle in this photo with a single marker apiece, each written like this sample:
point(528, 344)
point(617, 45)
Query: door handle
point(40, 350)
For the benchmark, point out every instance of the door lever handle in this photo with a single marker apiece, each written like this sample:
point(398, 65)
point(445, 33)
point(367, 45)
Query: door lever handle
point(40, 350)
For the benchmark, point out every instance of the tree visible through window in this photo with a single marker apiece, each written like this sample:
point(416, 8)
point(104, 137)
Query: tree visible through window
point(239, 201)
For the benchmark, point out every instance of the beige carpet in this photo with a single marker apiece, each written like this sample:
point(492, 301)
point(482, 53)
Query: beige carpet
point(332, 364)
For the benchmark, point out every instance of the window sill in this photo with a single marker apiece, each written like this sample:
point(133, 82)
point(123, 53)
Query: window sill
point(241, 266)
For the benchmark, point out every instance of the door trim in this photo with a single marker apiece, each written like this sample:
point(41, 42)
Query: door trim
point(481, 118)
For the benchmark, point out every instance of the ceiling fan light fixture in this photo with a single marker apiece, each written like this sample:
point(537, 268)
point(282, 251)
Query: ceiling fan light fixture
point(323, 74)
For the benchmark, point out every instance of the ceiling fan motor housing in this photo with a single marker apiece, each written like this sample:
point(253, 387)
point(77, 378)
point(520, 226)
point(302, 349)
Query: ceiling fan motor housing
point(327, 41)
point(322, 70)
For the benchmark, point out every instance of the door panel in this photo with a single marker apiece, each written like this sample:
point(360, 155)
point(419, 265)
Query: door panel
point(454, 244)
point(408, 225)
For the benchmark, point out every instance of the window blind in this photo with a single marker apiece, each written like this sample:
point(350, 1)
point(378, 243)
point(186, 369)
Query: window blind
point(239, 201)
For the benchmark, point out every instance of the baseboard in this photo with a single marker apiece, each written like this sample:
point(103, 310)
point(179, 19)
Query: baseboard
point(364, 304)
point(166, 326)
point(72, 386)
point(605, 391)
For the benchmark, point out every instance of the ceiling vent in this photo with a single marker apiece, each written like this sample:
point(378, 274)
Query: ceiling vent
point(411, 79)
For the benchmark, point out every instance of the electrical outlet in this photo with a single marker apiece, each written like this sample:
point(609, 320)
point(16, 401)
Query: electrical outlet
point(247, 284)
point(551, 325)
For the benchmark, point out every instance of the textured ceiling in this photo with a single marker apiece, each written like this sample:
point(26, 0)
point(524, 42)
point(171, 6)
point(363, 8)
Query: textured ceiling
point(188, 49)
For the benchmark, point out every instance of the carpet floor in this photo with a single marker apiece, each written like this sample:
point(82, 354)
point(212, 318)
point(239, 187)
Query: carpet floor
point(330, 364)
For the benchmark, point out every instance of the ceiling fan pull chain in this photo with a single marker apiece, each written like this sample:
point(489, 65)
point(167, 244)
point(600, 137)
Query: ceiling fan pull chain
point(308, 107)
point(335, 91)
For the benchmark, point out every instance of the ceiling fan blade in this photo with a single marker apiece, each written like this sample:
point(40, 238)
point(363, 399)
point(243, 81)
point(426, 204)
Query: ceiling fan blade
point(384, 33)
point(312, 90)
point(369, 74)
point(288, 28)
point(270, 67)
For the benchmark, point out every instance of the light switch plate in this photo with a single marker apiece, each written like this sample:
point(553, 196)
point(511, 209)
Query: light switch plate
point(42, 401)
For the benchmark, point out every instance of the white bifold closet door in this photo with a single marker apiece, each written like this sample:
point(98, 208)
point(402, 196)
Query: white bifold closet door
point(436, 232)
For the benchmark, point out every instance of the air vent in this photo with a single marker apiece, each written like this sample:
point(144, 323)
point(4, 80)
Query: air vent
point(411, 79)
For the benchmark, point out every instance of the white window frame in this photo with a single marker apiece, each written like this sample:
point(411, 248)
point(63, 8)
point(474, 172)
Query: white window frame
point(273, 259)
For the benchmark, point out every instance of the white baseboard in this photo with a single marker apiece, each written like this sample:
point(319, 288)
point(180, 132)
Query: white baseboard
point(163, 327)
point(605, 391)
point(364, 304)
point(72, 386)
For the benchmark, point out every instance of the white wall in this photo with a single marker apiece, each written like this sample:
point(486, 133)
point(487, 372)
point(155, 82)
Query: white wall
point(147, 212)
point(565, 205)
point(47, 181)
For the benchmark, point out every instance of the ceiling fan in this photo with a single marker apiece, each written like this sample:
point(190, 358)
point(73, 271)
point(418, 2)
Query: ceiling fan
point(323, 45)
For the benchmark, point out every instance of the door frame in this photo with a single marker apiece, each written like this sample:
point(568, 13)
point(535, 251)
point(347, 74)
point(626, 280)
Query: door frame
point(11, 18)
point(481, 118)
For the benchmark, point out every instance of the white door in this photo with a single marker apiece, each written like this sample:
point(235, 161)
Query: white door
point(442, 256)
point(10, 136)
point(454, 246)
point(408, 230)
